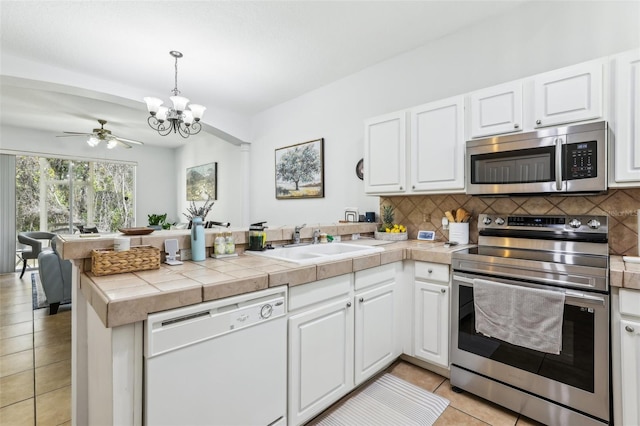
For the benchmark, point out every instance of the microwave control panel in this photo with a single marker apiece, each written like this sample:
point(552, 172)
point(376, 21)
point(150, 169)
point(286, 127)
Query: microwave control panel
point(580, 160)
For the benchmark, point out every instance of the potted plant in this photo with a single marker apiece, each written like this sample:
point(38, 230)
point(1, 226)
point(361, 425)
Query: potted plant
point(158, 221)
point(389, 230)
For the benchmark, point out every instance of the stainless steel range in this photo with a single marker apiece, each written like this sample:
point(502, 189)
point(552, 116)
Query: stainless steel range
point(529, 264)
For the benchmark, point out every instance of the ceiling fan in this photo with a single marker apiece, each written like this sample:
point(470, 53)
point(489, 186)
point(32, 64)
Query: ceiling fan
point(103, 135)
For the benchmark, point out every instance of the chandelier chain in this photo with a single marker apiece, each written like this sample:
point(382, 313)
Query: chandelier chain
point(176, 92)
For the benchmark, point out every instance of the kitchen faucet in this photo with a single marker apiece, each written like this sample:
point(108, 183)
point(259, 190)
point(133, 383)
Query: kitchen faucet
point(296, 233)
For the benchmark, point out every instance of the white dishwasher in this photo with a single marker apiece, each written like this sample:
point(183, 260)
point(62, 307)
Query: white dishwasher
point(222, 362)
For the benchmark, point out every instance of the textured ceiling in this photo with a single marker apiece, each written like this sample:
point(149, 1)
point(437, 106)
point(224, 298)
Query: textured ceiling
point(240, 56)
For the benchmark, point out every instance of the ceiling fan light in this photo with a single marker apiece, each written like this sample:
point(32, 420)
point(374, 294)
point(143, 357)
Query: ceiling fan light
point(153, 104)
point(112, 143)
point(161, 115)
point(179, 103)
point(197, 110)
point(93, 141)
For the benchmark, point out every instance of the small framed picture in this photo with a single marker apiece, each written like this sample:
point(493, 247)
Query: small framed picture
point(426, 235)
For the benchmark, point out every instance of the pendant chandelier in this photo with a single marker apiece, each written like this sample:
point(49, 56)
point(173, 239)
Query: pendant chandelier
point(180, 118)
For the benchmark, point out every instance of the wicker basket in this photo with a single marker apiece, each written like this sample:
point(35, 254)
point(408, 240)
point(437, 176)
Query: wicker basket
point(138, 258)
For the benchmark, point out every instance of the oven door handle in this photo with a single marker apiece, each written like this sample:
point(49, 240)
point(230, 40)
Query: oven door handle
point(585, 298)
point(594, 300)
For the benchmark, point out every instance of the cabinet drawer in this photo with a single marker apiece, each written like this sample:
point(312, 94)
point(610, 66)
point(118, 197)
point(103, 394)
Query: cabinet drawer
point(319, 291)
point(630, 302)
point(374, 276)
point(432, 271)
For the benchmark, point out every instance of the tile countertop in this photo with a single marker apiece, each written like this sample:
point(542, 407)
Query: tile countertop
point(624, 274)
point(126, 298)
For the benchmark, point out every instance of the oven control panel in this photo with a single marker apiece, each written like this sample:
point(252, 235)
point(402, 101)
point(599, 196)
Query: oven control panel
point(545, 223)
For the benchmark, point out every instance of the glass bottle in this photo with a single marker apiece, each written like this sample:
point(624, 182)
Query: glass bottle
point(230, 243)
point(219, 246)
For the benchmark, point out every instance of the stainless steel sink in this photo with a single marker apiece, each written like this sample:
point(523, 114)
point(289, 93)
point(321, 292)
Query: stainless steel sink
point(316, 253)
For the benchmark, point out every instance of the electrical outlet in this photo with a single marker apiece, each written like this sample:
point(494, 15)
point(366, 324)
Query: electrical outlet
point(185, 254)
point(355, 236)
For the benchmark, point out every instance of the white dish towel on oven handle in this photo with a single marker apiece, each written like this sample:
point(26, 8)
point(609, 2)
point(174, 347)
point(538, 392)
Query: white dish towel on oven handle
point(522, 316)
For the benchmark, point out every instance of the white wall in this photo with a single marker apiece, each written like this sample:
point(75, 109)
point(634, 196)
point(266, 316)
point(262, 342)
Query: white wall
point(209, 149)
point(156, 167)
point(537, 37)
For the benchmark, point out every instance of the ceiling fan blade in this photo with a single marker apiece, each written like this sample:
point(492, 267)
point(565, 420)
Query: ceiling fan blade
point(128, 140)
point(123, 144)
point(77, 134)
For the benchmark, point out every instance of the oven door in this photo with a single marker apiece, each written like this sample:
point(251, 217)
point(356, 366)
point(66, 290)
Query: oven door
point(577, 378)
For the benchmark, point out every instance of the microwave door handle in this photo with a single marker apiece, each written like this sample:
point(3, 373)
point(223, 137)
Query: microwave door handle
point(559, 164)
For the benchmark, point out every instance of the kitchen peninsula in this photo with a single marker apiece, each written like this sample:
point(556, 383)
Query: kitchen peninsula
point(108, 311)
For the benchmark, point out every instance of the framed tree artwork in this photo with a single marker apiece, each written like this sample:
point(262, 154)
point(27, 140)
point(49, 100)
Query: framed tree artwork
point(202, 182)
point(300, 170)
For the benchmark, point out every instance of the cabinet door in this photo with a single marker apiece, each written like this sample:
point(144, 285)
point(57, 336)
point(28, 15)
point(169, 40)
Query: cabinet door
point(568, 94)
point(431, 323)
point(437, 145)
point(630, 369)
point(320, 358)
point(375, 331)
point(496, 110)
point(385, 154)
point(625, 126)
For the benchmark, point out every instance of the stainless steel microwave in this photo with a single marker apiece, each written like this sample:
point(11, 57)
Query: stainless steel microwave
point(558, 160)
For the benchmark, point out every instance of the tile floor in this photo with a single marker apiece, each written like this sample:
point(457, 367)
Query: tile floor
point(35, 358)
point(35, 369)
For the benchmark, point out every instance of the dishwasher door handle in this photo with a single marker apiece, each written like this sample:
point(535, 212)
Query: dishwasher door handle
point(185, 318)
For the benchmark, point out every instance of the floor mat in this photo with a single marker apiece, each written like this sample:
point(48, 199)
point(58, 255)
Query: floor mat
point(37, 292)
point(386, 401)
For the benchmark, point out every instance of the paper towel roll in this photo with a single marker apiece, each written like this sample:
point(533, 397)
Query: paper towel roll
point(121, 244)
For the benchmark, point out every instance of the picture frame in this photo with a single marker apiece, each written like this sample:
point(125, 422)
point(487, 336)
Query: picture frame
point(202, 182)
point(299, 170)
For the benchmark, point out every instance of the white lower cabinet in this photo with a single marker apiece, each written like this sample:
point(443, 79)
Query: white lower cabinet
point(630, 356)
point(431, 313)
point(320, 358)
point(342, 331)
point(377, 334)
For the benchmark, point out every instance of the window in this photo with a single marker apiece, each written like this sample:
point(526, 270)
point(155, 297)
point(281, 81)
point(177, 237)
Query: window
point(58, 195)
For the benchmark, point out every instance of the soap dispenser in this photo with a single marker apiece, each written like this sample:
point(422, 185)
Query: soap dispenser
point(198, 252)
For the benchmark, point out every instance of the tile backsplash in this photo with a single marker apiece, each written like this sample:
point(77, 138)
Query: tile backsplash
point(425, 212)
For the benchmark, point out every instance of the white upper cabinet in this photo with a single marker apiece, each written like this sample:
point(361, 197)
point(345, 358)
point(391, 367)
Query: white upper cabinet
point(437, 145)
point(385, 154)
point(624, 120)
point(569, 94)
point(496, 110)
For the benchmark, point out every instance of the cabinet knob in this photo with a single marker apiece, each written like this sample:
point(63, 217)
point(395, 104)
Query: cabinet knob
point(538, 122)
point(348, 304)
point(516, 126)
point(413, 187)
point(629, 328)
point(443, 290)
point(361, 299)
point(430, 270)
point(400, 188)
